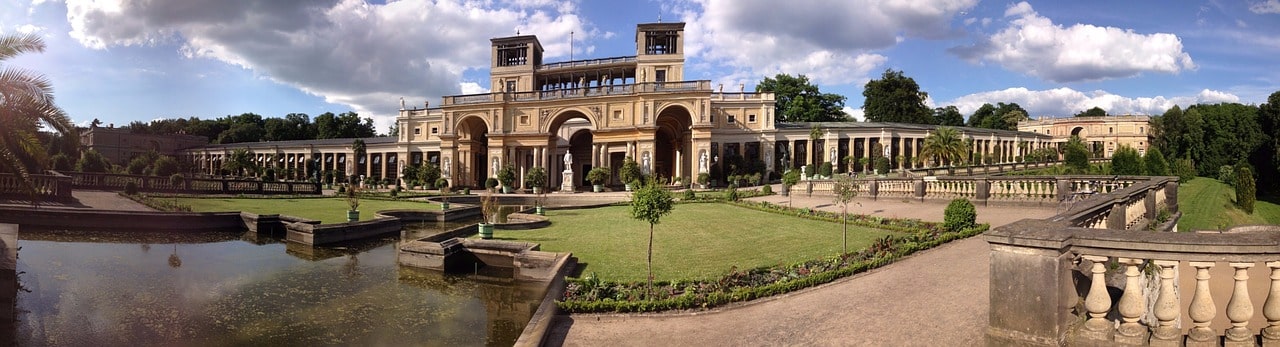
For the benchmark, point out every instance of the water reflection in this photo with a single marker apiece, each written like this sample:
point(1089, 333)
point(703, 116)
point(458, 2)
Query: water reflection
point(108, 289)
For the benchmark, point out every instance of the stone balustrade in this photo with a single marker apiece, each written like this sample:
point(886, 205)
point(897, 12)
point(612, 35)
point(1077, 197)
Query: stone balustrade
point(1109, 271)
point(1016, 190)
point(50, 187)
point(116, 182)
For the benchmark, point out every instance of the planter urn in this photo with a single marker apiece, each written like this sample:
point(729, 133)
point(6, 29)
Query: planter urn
point(353, 215)
point(597, 188)
point(486, 230)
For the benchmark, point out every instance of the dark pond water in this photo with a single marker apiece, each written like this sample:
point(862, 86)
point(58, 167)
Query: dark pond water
point(215, 289)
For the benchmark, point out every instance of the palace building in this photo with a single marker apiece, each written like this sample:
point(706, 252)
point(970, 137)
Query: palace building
point(1103, 134)
point(569, 117)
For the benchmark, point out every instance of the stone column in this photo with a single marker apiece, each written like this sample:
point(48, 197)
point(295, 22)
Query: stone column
point(1029, 310)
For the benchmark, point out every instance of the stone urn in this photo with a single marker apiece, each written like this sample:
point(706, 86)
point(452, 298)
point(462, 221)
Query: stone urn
point(597, 188)
point(486, 230)
point(539, 210)
point(444, 205)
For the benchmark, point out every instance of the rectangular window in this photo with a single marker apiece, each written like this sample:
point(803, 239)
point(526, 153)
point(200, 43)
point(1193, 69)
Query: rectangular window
point(730, 119)
point(511, 86)
point(417, 131)
point(617, 114)
point(435, 130)
point(660, 75)
point(751, 118)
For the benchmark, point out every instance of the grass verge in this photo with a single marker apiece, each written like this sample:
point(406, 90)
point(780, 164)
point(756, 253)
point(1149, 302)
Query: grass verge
point(1209, 204)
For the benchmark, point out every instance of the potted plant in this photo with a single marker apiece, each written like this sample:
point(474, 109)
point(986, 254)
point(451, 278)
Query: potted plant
point(353, 200)
point(507, 176)
point(488, 214)
point(630, 173)
point(539, 202)
point(444, 192)
point(536, 178)
point(491, 183)
point(703, 179)
point(597, 176)
point(865, 164)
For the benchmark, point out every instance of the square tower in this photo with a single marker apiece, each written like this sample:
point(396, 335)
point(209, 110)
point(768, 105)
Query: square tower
point(660, 52)
point(513, 62)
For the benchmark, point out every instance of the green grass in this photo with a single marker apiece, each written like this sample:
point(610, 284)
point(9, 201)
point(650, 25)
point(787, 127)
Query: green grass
point(695, 241)
point(1209, 204)
point(326, 210)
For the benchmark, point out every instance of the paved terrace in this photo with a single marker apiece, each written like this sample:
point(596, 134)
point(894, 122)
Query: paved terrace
point(936, 297)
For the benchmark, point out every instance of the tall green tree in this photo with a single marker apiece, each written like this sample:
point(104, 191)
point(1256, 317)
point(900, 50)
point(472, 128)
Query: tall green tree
point(1093, 112)
point(1154, 163)
point(948, 116)
point(650, 203)
point(1126, 162)
point(799, 100)
point(845, 189)
point(1076, 156)
point(896, 98)
point(26, 104)
point(1231, 134)
point(240, 162)
point(944, 145)
point(1001, 116)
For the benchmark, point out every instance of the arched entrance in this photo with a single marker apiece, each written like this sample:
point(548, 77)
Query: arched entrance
point(571, 132)
point(672, 143)
point(473, 148)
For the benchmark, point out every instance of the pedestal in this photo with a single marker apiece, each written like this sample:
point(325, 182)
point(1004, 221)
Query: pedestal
point(567, 178)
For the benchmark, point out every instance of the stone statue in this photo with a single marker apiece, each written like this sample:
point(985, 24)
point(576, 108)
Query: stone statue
point(445, 170)
point(495, 166)
point(833, 157)
point(888, 151)
point(568, 162)
point(702, 163)
point(402, 103)
point(646, 162)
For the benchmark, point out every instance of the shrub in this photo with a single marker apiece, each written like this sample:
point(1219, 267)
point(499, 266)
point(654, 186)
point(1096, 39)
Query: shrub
point(959, 215)
point(131, 188)
point(342, 189)
point(1154, 163)
point(825, 170)
point(688, 195)
point(394, 191)
point(507, 175)
point(491, 183)
point(766, 190)
point(1184, 169)
point(1126, 162)
point(536, 177)
point(138, 166)
point(598, 175)
point(704, 178)
point(270, 175)
point(630, 172)
point(882, 165)
point(1227, 175)
point(1076, 155)
point(731, 194)
point(177, 180)
point(1246, 189)
point(442, 183)
point(755, 179)
point(60, 162)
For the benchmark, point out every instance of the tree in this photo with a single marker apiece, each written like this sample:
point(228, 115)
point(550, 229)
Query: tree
point(896, 98)
point(944, 145)
point(242, 132)
point(845, 189)
point(1126, 162)
point(948, 116)
point(1246, 190)
point(1155, 163)
point(359, 151)
point(1076, 156)
point(92, 161)
point(799, 100)
point(789, 179)
point(1000, 116)
point(649, 204)
point(240, 161)
point(26, 104)
point(1092, 112)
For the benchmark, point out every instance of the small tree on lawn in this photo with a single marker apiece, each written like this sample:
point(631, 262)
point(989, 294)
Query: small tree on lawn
point(845, 189)
point(790, 178)
point(650, 203)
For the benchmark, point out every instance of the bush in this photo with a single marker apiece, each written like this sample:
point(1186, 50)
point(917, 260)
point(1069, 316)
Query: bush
point(131, 188)
point(177, 180)
point(1184, 169)
point(1154, 163)
point(491, 183)
point(138, 166)
point(704, 178)
point(1246, 189)
point(507, 175)
point(630, 172)
point(809, 170)
point(394, 191)
point(342, 189)
point(688, 195)
point(882, 165)
point(766, 190)
point(1126, 162)
point(598, 175)
point(270, 175)
point(731, 194)
point(442, 183)
point(1227, 175)
point(960, 214)
point(825, 170)
point(60, 162)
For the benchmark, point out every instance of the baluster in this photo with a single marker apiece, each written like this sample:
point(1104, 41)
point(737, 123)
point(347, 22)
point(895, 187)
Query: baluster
point(1098, 302)
point(1240, 308)
point(1167, 310)
point(1132, 306)
point(1202, 308)
point(1271, 308)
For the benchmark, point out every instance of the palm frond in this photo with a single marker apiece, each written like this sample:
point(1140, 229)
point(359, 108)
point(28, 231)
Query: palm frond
point(13, 45)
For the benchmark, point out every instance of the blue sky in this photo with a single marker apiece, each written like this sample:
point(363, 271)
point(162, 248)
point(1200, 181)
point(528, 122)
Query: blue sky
point(126, 60)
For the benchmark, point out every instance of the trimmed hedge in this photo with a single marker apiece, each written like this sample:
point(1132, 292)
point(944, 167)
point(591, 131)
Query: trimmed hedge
point(592, 295)
point(960, 214)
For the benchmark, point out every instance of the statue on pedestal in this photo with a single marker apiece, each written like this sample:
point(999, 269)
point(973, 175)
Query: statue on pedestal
point(568, 162)
point(702, 163)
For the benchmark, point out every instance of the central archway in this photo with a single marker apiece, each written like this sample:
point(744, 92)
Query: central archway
point(572, 132)
point(473, 148)
point(672, 143)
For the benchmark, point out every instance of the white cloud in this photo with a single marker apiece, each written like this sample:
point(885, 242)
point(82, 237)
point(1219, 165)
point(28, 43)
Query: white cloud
point(829, 41)
point(1062, 102)
point(1034, 45)
point(856, 113)
point(1266, 7)
point(349, 52)
point(29, 29)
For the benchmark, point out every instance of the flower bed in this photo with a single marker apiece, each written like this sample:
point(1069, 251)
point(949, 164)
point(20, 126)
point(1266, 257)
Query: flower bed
point(593, 295)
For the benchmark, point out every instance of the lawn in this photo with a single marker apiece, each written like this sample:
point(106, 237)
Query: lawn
point(1209, 204)
point(326, 210)
point(695, 241)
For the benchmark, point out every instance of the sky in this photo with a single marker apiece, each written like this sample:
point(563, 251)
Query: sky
point(138, 60)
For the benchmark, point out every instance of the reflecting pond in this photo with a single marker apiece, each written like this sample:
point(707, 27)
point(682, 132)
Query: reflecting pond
point(214, 289)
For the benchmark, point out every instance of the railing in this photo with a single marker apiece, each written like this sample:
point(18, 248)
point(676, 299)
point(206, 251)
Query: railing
point(741, 96)
point(50, 187)
point(1107, 272)
point(992, 168)
point(984, 190)
point(590, 62)
point(605, 90)
point(117, 182)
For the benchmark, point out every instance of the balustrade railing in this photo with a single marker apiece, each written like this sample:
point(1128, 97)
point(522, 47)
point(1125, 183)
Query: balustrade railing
point(48, 187)
point(603, 90)
point(1024, 190)
point(117, 182)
